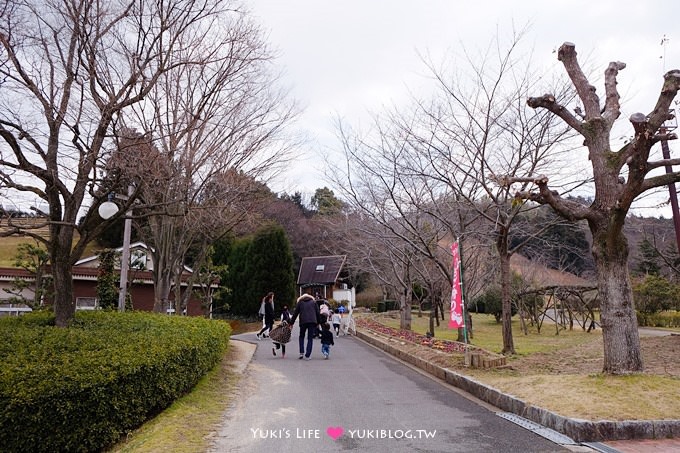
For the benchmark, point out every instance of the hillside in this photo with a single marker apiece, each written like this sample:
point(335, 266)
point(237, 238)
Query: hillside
point(9, 244)
point(540, 275)
point(657, 230)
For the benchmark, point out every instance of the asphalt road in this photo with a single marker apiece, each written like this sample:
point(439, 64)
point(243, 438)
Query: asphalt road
point(358, 400)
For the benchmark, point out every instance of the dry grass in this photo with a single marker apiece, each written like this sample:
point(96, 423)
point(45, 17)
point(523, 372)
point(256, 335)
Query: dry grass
point(562, 373)
point(8, 248)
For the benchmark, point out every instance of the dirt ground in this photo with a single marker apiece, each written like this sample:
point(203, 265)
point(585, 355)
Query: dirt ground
point(660, 356)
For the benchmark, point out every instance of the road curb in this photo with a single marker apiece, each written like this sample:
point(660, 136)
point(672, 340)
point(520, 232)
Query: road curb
point(577, 429)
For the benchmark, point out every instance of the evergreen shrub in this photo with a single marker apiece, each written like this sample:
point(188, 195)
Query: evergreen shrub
point(660, 319)
point(81, 388)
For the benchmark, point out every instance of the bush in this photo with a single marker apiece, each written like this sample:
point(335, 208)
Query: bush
point(662, 319)
point(81, 388)
point(391, 305)
point(490, 302)
point(655, 293)
point(380, 306)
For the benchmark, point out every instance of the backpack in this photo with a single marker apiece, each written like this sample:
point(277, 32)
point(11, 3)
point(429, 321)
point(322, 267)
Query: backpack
point(324, 310)
point(261, 312)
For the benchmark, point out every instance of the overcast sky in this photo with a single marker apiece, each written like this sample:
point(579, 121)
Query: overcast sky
point(353, 56)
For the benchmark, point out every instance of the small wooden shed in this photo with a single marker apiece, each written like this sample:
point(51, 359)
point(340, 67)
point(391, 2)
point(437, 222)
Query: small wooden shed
point(319, 275)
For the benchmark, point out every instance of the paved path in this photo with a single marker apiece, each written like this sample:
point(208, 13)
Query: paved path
point(359, 400)
point(652, 332)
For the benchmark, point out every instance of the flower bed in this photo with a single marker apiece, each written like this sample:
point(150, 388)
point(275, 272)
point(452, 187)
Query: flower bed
point(408, 335)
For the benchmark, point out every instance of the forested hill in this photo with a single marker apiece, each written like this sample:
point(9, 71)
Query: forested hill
point(566, 246)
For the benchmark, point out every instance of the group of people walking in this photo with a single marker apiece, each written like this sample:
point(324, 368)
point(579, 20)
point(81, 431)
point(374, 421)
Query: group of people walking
point(313, 321)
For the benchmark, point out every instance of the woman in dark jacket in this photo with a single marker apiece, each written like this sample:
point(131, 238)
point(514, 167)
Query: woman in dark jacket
point(268, 315)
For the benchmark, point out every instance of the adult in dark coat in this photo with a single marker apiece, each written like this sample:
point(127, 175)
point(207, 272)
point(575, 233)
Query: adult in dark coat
point(310, 318)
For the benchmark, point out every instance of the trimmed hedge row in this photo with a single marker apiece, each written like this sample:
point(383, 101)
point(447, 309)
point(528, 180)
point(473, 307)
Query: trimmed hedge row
point(81, 388)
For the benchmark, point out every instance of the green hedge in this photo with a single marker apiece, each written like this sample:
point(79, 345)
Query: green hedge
point(81, 388)
point(661, 319)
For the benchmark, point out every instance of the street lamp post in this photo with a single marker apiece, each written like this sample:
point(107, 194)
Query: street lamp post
point(107, 210)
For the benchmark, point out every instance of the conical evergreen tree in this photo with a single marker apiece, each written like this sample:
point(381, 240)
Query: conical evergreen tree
point(270, 267)
point(255, 265)
point(237, 280)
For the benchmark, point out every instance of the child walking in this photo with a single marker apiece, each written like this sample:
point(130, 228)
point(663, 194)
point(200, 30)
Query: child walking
point(326, 340)
point(285, 314)
point(280, 335)
point(337, 320)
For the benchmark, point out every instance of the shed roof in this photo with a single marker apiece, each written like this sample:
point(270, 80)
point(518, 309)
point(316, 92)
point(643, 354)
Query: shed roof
point(320, 269)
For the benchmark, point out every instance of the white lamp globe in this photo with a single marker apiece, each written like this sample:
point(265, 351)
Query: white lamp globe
point(107, 210)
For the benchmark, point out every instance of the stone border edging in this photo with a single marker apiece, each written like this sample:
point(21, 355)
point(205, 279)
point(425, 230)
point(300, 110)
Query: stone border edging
point(577, 429)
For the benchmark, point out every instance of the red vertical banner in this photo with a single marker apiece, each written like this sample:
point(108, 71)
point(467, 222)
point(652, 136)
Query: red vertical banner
point(456, 315)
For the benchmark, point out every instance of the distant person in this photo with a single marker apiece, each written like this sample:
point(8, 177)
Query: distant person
point(308, 311)
point(280, 335)
point(268, 301)
point(336, 319)
point(326, 340)
point(285, 314)
point(325, 312)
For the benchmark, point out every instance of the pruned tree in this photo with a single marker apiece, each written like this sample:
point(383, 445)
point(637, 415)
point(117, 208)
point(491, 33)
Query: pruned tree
point(619, 177)
point(70, 73)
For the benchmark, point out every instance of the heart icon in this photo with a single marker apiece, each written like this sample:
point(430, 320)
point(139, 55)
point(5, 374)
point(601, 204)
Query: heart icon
point(335, 431)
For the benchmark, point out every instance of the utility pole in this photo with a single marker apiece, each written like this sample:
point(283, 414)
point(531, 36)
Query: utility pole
point(665, 130)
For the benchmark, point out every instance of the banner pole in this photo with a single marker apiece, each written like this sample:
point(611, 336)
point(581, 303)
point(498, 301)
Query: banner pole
point(464, 309)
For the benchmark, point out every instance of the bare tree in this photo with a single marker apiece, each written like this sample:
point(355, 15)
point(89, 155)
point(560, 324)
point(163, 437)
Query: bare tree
point(475, 131)
point(442, 159)
point(70, 72)
point(218, 126)
point(619, 178)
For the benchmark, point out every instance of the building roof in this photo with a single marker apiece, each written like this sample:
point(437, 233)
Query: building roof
point(10, 273)
point(139, 252)
point(93, 260)
point(322, 270)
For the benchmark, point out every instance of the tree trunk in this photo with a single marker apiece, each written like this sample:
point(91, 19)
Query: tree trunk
point(162, 288)
point(618, 319)
point(62, 275)
point(405, 321)
point(504, 257)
